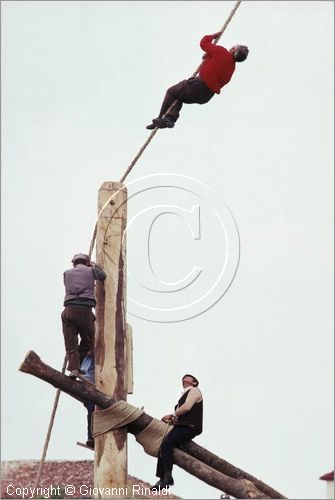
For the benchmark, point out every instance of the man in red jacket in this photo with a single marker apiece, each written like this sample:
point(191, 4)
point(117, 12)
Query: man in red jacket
point(215, 72)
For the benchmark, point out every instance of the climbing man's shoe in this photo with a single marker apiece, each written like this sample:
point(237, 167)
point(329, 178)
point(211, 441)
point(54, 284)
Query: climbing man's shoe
point(74, 374)
point(167, 122)
point(155, 123)
point(151, 126)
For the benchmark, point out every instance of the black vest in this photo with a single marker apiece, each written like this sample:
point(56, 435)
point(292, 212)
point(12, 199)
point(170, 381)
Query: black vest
point(192, 418)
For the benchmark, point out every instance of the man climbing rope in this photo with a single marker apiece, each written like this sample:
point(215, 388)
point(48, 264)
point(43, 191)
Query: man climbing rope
point(77, 317)
point(215, 72)
point(187, 422)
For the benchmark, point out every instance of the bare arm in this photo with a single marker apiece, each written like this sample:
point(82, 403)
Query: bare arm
point(194, 396)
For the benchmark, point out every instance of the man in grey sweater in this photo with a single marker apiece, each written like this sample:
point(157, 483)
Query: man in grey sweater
point(77, 317)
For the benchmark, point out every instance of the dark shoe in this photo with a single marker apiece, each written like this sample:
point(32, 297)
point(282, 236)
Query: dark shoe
point(168, 479)
point(157, 485)
point(168, 122)
point(74, 374)
point(164, 482)
point(161, 123)
point(154, 124)
point(162, 485)
point(90, 443)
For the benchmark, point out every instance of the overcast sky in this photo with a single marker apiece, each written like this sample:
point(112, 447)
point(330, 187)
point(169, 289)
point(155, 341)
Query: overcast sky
point(249, 178)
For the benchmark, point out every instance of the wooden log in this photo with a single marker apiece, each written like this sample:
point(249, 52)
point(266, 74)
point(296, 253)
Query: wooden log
point(110, 457)
point(222, 465)
point(238, 485)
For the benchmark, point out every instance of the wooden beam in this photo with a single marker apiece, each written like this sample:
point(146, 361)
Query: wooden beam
point(193, 458)
point(110, 457)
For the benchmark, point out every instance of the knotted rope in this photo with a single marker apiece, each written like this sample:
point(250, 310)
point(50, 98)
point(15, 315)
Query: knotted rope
point(153, 133)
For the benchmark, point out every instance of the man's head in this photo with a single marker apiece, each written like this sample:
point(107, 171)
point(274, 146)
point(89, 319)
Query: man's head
point(189, 381)
point(239, 52)
point(81, 258)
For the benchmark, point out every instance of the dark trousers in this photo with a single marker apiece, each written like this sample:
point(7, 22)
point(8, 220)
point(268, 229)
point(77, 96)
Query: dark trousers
point(179, 435)
point(89, 405)
point(188, 91)
point(77, 321)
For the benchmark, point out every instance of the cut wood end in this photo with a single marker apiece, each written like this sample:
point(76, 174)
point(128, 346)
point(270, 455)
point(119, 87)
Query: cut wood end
point(24, 366)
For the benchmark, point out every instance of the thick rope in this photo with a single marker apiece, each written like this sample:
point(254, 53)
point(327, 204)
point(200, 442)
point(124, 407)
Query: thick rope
point(152, 436)
point(113, 417)
point(47, 439)
point(122, 414)
point(151, 136)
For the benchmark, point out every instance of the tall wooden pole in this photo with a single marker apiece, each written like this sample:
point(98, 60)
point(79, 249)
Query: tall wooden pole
point(110, 458)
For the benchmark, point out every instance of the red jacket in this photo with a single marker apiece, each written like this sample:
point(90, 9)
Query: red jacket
point(218, 67)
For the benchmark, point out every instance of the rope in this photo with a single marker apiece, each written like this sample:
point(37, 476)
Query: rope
point(113, 417)
point(47, 439)
point(152, 436)
point(122, 414)
point(151, 136)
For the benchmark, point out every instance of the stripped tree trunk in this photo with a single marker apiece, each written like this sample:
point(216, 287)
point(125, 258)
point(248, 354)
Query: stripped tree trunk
point(129, 360)
point(193, 458)
point(110, 457)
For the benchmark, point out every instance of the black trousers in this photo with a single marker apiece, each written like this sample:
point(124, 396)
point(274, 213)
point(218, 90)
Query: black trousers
point(179, 435)
point(77, 321)
point(188, 91)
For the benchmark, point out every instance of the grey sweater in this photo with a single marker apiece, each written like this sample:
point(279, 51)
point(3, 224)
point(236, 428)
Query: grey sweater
point(80, 285)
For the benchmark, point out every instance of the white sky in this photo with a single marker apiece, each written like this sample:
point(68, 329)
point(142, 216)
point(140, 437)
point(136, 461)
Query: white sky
point(80, 80)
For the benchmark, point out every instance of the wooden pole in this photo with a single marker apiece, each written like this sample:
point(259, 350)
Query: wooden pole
point(110, 458)
point(129, 360)
point(205, 465)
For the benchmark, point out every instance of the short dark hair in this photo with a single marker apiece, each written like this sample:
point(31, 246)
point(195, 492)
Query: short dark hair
point(241, 53)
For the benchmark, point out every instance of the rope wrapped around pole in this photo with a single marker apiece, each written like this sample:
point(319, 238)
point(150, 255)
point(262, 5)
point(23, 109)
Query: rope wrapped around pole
point(153, 133)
